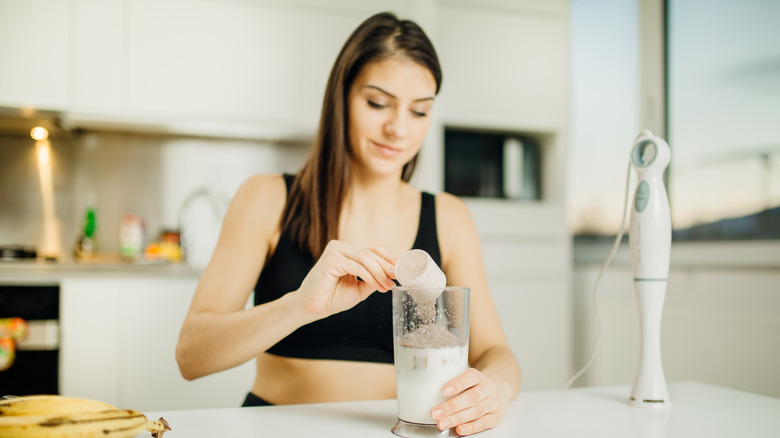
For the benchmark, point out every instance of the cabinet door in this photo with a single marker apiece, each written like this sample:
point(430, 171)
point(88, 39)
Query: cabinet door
point(34, 53)
point(536, 318)
point(118, 345)
point(152, 314)
point(97, 56)
point(503, 68)
point(210, 60)
point(530, 286)
point(317, 44)
point(90, 342)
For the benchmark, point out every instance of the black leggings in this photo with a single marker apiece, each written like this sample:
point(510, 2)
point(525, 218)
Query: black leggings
point(253, 400)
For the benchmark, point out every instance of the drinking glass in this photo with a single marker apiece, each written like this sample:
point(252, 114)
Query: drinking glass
point(430, 344)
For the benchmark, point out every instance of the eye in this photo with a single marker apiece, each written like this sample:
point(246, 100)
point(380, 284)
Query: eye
point(376, 105)
point(419, 113)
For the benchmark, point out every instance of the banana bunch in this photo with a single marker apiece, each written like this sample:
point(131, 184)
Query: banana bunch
point(44, 416)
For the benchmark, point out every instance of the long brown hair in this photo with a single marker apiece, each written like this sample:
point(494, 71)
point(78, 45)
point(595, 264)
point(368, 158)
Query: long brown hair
point(311, 215)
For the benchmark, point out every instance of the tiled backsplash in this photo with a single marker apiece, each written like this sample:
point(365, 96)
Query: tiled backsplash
point(117, 173)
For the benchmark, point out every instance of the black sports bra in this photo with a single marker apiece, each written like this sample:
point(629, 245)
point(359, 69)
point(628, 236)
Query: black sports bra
point(363, 333)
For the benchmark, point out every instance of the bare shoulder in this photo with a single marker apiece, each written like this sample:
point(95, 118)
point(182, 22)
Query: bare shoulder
point(248, 231)
point(259, 201)
point(452, 214)
point(267, 186)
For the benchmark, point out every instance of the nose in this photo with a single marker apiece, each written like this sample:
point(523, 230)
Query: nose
point(396, 126)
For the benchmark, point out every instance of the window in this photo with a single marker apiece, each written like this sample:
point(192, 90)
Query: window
point(723, 109)
point(604, 112)
point(722, 116)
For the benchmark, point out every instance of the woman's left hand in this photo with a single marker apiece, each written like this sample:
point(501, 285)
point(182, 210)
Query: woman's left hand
point(476, 404)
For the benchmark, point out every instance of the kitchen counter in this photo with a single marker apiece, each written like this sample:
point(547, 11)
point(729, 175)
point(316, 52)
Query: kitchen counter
point(45, 272)
point(699, 410)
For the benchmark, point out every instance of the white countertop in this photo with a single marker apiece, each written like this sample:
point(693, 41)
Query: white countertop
point(44, 272)
point(699, 410)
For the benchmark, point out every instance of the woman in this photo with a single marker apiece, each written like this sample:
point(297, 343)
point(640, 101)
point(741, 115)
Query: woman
point(319, 250)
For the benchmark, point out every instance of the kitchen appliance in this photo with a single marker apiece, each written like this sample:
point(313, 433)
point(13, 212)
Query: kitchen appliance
point(650, 240)
point(36, 367)
point(430, 348)
point(492, 164)
point(17, 252)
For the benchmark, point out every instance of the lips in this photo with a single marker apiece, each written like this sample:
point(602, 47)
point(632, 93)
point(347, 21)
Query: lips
point(388, 151)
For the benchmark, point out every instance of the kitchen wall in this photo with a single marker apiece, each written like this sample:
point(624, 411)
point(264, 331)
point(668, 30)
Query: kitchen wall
point(117, 173)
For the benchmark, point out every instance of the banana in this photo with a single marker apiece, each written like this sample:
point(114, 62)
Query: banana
point(58, 416)
point(50, 405)
point(158, 428)
point(115, 423)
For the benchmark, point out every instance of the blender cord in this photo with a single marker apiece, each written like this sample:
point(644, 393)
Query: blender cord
point(615, 246)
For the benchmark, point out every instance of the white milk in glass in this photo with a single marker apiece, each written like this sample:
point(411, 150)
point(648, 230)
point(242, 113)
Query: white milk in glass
point(421, 374)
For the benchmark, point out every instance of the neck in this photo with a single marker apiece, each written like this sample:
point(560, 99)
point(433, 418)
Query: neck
point(373, 194)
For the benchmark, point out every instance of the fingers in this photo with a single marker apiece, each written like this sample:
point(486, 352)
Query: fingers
point(371, 265)
point(485, 422)
point(387, 263)
point(474, 407)
point(343, 276)
point(468, 379)
point(368, 276)
point(385, 254)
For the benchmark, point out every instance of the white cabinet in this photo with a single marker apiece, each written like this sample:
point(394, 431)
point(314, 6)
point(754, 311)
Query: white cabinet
point(534, 7)
point(721, 318)
point(526, 253)
point(207, 66)
point(89, 343)
point(118, 345)
point(318, 40)
point(97, 56)
point(504, 68)
point(191, 64)
point(208, 59)
point(264, 63)
point(174, 65)
point(153, 311)
point(34, 53)
point(536, 317)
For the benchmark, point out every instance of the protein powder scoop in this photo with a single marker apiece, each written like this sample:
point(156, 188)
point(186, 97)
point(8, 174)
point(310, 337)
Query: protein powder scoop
point(417, 271)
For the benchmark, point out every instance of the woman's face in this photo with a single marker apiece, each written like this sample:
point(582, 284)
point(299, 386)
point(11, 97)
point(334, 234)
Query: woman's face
point(389, 106)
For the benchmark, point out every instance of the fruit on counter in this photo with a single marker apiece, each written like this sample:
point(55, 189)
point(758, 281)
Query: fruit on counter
point(12, 330)
point(50, 404)
point(162, 251)
point(167, 248)
point(61, 416)
point(7, 353)
point(113, 423)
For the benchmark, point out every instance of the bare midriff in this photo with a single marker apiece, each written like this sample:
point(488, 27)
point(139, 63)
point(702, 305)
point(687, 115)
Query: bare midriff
point(284, 380)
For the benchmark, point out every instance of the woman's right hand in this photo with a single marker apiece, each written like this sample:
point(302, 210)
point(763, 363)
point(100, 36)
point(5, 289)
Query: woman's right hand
point(333, 286)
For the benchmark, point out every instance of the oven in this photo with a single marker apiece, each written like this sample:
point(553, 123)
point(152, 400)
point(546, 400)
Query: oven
point(36, 367)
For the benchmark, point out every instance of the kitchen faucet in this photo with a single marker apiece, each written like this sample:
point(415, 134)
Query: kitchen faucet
point(216, 199)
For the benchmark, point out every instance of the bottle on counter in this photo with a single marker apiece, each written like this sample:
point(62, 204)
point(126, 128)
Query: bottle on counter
point(86, 245)
point(132, 233)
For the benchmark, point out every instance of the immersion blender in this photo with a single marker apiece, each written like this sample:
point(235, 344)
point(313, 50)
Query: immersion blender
point(650, 240)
